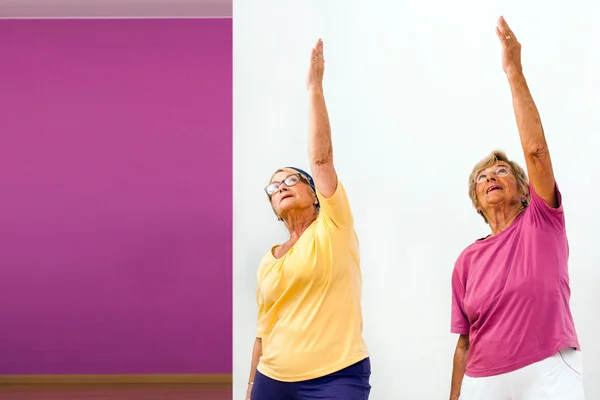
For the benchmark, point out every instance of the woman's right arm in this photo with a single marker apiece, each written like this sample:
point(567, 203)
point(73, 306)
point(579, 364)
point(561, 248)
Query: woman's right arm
point(460, 363)
point(256, 354)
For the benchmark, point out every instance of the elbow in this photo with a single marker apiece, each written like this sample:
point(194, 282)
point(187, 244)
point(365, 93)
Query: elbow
point(538, 150)
point(536, 147)
point(323, 158)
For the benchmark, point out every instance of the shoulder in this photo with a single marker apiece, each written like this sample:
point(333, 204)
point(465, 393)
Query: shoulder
point(335, 210)
point(459, 262)
point(266, 262)
point(462, 263)
point(338, 194)
point(538, 202)
point(542, 215)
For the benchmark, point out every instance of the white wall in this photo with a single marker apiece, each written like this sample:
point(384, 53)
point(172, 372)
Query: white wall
point(416, 95)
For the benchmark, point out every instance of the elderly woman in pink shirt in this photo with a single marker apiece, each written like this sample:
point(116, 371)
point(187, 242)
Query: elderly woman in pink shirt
point(510, 290)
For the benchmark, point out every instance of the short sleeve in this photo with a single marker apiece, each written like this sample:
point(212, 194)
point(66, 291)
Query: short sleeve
point(541, 215)
point(337, 208)
point(459, 321)
point(260, 330)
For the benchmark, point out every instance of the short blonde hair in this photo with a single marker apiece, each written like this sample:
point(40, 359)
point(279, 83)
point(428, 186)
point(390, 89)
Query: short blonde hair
point(302, 178)
point(494, 157)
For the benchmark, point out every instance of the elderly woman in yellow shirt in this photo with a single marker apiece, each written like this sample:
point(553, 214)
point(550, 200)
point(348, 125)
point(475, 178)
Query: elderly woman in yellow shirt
point(309, 342)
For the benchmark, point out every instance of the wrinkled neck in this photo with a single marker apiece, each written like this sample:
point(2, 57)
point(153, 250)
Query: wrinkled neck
point(297, 221)
point(500, 217)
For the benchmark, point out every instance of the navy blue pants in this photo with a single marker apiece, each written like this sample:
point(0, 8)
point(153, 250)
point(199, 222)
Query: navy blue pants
point(350, 383)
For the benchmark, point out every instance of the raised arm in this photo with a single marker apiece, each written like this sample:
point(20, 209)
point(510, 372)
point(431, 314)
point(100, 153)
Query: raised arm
point(320, 148)
point(529, 124)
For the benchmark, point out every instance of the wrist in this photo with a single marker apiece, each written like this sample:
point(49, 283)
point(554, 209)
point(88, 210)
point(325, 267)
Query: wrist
point(316, 90)
point(514, 74)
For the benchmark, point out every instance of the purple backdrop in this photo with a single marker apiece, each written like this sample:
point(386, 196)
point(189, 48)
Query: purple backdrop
point(115, 195)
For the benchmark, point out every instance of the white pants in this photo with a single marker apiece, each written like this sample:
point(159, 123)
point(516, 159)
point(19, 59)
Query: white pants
point(556, 378)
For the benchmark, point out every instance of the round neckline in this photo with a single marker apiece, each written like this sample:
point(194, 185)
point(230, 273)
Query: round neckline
point(490, 239)
point(283, 256)
point(293, 247)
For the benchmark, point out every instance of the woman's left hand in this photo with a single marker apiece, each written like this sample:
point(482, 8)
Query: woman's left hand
point(314, 80)
point(511, 48)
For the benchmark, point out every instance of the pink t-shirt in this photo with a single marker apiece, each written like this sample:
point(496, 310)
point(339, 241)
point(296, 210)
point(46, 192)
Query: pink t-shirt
point(510, 293)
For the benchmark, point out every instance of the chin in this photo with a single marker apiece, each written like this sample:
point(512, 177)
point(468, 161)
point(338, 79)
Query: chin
point(495, 197)
point(288, 204)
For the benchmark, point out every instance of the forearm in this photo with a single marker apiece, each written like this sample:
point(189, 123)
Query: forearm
point(458, 372)
point(320, 147)
point(460, 364)
point(529, 123)
point(256, 354)
point(527, 116)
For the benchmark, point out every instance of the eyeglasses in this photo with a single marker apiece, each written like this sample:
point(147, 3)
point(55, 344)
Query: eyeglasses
point(497, 171)
point(290, 180)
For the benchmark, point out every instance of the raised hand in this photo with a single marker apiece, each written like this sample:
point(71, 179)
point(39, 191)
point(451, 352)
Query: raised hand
point(314, 80)
point(511, 48)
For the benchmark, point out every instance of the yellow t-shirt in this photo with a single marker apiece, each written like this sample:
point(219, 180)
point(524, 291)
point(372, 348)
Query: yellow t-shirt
point(309, 301)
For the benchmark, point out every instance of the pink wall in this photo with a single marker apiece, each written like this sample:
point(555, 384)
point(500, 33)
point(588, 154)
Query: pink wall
point(115, 196)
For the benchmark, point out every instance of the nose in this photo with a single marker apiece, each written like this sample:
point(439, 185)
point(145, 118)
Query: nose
point(283, 187)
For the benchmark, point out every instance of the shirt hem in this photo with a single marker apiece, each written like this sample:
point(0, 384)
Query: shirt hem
point(459, 331)
point(484, 373)
point(312, 375)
